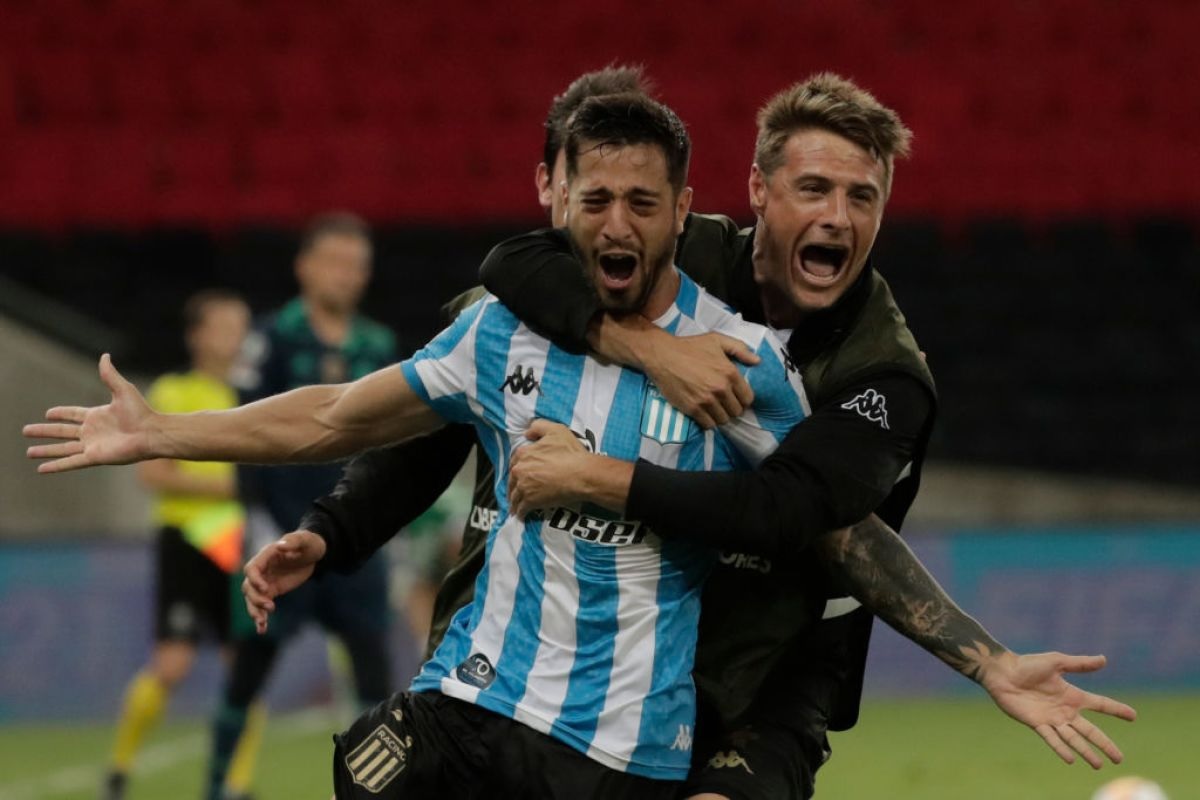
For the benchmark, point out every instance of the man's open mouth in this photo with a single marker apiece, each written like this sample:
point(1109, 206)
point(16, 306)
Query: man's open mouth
point(823, 262)
point(617, 269)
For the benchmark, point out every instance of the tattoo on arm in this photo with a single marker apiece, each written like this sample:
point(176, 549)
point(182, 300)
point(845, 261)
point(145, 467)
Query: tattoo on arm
point(874, 564)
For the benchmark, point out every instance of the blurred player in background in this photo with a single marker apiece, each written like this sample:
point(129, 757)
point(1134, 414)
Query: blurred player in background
point(199, 542)
point(319, 337)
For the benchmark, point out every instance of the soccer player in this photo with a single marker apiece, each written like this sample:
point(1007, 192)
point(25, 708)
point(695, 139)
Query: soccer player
point(821, 177)
point(199, 529)
point(317, 338)
point(824, 659)
point(583, 625)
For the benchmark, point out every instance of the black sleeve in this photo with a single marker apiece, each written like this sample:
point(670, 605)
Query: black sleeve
point(537, 276)
point(383, 490)
point(831, 471)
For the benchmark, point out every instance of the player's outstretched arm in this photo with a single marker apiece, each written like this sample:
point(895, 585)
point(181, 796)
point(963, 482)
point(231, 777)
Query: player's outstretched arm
point(277, 569)
point(875, 565)
point(314, 423)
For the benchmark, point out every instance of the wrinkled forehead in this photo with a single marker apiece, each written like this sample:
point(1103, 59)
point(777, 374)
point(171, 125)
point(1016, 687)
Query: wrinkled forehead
point(620, 167)
point(819, 151)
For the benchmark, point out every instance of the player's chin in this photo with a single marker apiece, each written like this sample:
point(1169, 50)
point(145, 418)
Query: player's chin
point(618, 301)
point(815, 298)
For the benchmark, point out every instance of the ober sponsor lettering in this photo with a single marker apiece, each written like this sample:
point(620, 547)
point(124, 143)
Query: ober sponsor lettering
point(482, 519)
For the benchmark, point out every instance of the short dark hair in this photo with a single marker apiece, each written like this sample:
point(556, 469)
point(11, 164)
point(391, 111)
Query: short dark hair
point(197, 305)
point(830, 102)
point(338, 223)
point(612, 79)
point(626, 119)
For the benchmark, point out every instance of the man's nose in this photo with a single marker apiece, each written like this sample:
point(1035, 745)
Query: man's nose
point(837, 211)
point(617, 223)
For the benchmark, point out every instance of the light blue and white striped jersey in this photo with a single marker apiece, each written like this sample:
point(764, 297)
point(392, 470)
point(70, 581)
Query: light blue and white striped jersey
point(584, 625)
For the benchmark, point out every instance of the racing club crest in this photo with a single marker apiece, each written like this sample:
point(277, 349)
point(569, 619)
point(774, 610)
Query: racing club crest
point(661, 421)
point(379, 759)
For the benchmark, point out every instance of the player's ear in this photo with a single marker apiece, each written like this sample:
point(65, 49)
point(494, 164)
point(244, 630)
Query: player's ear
point(541, 181)
point(565, 196)
point(758, 190)
point(683, 205)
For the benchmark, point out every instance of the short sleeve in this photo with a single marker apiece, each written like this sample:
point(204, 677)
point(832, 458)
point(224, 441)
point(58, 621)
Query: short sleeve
point(442, 373)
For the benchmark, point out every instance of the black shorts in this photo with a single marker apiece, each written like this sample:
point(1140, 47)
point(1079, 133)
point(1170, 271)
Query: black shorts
point(427, 745)
point(193, 593)
point(759, 761)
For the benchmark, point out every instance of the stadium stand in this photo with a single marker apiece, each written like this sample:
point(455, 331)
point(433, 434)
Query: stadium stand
point(1042, 239)
point(1015, 109)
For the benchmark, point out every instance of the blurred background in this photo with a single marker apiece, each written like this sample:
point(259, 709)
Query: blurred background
point(1043, 240)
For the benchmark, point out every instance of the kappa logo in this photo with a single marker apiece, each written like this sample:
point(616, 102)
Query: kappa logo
point(729, 760)
point(683, 739)
point(379, 759)
point(870, 404)
point(789, 363)
point(663, 422)
point(522, 382)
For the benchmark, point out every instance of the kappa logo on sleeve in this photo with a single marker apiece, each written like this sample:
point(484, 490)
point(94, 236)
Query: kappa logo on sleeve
point(870, 404)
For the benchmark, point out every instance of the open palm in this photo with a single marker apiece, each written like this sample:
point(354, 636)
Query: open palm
point(1033, 691)
point(110, 434)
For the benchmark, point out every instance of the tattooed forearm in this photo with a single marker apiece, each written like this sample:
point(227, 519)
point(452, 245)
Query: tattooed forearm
point(875, 565)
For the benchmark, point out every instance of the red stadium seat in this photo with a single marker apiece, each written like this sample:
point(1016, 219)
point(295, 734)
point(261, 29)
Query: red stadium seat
point(148, 93)
point(200, 177)
point(38, 170)
point(64, 87)
point(118, 179)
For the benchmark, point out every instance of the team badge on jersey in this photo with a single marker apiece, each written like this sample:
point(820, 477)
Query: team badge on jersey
point(662, 421)
point(379, 759)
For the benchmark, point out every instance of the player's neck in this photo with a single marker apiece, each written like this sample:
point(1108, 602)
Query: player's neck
point(666, 289)
point(215, 368)
point(330, 325)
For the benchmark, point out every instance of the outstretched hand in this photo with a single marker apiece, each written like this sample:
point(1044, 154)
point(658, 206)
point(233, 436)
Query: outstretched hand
point(111, 434)
point(277, 569)
point(1032, 690)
